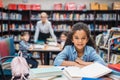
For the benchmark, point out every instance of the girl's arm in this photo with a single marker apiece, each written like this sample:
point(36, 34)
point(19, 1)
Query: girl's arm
point(62, 58)
point(36, 32)
point(71, 63)
point(52, 32)
point(24, 46)
point(81, 62)
point(95, 57)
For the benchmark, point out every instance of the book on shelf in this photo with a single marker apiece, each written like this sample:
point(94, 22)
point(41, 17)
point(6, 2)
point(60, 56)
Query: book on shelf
point(106, 16)
point(45, 72)
point(62, 27)
point(94, 70)
point(4, 27)
point(61, 16)
point(32, 27)
point(5, 16)
point(15, 16)
point(103, 55)
point(35, 17)
point(0, 15)
point(101, 27)
point(17, 37)
point(115, 33)
point(91, 27)
point(115, 58)
point(19, 27)
point(0, 28)
point(99, 39)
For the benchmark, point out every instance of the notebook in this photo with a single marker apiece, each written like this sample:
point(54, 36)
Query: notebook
point(114, 66)
point(94, 70)
point(45, 72)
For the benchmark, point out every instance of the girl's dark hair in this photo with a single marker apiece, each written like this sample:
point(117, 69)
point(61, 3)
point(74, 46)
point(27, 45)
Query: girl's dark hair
point(64, 33)
point(24, 33)
point(80, 26)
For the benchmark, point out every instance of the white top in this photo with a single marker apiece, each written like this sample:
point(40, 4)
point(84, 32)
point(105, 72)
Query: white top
point(44, 28)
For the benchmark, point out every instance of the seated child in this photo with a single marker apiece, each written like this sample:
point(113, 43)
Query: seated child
point(63, 38)
point(24, 46)
point(79, 49)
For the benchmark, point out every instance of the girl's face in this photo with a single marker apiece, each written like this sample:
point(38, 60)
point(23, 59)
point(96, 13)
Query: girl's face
point(80, 39)
point(63, 37)
point(26, 37)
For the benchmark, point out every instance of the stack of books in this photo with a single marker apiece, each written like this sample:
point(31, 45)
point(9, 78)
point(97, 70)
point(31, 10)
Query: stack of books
point(115, 71)
point(45, 72)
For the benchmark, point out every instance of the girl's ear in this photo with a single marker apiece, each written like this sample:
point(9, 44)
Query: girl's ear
point(72, 40)
point(87, 40)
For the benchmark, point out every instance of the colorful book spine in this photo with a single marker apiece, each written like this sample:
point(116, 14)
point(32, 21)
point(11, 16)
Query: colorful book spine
point(15, 16)
point(35, 17)
point(5, 16)
point(19, 27)
point(106, 16)
point(4, 27)
point(101, 27)
point(62, 27)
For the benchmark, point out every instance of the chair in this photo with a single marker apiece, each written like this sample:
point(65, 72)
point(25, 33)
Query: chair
point(4, 68)
point(7, 52)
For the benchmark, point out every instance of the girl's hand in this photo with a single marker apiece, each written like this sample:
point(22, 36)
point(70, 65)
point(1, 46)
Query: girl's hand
point(79, 61)
point(31, 47)
point(78, 65)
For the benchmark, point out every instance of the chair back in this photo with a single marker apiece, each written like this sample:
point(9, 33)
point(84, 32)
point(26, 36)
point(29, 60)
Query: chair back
point(4, 48)
point(7, 47)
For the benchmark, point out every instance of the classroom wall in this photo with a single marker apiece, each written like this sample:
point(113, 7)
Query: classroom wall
point(48, 4)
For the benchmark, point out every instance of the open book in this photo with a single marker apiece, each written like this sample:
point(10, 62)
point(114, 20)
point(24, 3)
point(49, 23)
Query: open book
point(94, 70)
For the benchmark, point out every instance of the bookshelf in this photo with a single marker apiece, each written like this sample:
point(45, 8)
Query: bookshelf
point(110, 50)
point(12, 22)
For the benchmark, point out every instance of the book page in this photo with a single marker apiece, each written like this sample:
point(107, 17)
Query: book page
point(94, 70)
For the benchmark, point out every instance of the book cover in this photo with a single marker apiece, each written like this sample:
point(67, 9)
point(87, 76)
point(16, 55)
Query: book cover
point(44, 72)
point(114, 67)
point(91, 78)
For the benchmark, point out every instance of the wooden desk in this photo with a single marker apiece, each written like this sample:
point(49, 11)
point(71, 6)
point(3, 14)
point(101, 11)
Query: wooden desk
point(47, 50)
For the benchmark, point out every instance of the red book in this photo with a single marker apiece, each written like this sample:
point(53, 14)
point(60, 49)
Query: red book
point(35, 7)
point(12, 6)
point(58, 6)
point(114, 67)
point(21, 7)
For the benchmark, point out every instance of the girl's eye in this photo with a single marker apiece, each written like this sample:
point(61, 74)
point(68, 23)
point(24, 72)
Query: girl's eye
point(83, 38)
point(76, 38)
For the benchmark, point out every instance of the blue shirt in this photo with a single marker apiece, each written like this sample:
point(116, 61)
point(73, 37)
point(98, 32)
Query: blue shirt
point(24, 47)
point(69, 53)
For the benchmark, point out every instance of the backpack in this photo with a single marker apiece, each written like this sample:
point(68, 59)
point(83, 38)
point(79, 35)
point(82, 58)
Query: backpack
point(19, 67)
